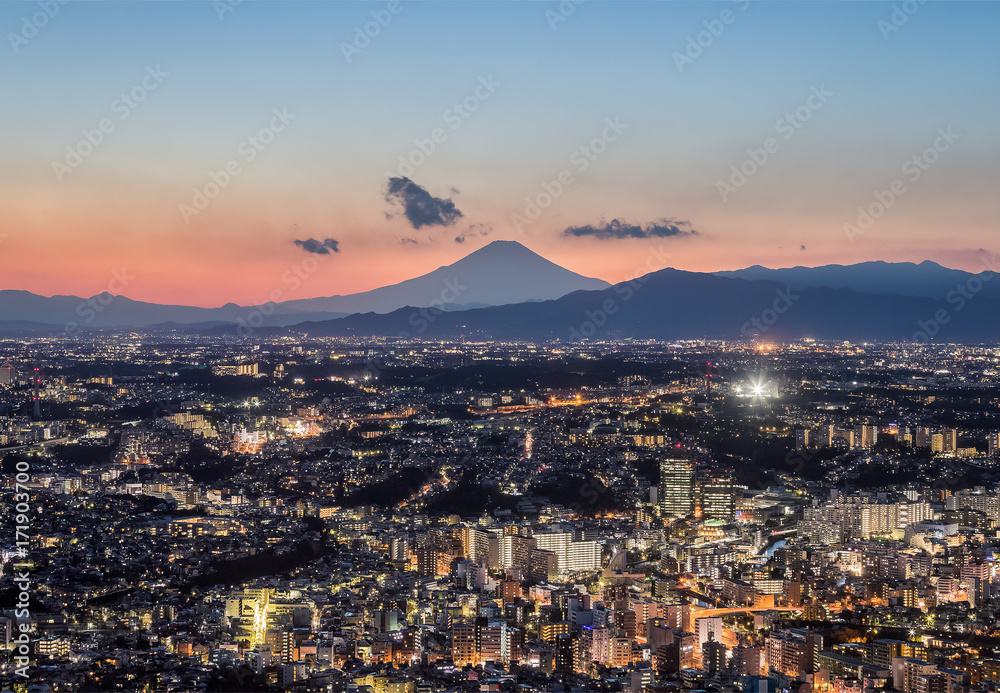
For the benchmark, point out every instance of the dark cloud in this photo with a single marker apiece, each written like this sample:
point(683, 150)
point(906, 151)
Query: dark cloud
point(311, 245)
point(665, 228)
point(420, 207)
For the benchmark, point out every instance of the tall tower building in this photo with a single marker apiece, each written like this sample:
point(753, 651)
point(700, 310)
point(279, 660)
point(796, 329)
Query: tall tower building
point(676, 493)
point(718, 498)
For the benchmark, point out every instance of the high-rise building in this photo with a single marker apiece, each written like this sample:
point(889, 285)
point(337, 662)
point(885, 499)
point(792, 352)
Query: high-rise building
point(865, 436)
point(937, 442)
point(676, 491)
point(994, 443)
point(792, 652)
point(825, 438)
point(480, 546)
point(707, 630)
point(7, 375)
point(510, 591)
point(514, 551)
point(464, 648)
point(399, 548)
point(746, 661)
point(718, 498)
point(481, 641)
point(565, 653)
point(949, 440)
point(572, 556)
point(713, 655)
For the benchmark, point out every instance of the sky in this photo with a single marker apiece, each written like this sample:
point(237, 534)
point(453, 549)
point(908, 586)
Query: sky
point(176, 151)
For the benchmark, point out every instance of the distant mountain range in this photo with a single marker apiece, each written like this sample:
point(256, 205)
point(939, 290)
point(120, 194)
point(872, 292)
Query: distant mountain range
point(673, 304)
point(500, 273)
point(928, 279)
point(505, 291)
point(107, 310)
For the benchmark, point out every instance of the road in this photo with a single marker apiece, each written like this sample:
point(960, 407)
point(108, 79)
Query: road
point(54, 441)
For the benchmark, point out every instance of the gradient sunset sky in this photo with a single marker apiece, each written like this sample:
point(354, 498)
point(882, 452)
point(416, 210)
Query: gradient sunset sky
point(324, 175)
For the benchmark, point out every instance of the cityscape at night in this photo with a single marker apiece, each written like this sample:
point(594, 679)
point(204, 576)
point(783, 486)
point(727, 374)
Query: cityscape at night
point(481, 346)
point(389, 515)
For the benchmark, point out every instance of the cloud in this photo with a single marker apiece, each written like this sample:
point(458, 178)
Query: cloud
point(311, 245)
point(474, 231)
point(615, 229)
point(420, 207)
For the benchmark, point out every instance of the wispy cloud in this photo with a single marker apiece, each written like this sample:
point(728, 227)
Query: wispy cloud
point(474, 231)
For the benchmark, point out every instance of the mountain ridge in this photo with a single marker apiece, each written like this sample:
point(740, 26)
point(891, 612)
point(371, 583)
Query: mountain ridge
point(676, 304)
point(927, 278)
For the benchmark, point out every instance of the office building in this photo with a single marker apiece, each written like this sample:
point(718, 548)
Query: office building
point(718, 498)
point(676, 492)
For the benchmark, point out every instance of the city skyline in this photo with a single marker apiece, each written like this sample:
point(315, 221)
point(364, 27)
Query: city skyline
point(327, 515)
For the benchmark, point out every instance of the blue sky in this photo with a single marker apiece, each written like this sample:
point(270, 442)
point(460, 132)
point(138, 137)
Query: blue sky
point(324, 176)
